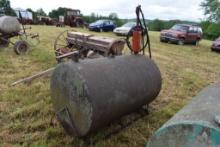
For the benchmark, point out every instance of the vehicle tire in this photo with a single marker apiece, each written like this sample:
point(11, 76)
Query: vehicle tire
point(20, 47)
point(101, 30)
point(180, 42)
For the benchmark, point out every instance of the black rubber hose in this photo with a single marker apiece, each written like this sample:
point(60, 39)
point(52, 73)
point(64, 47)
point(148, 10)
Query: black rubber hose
point(144, 32)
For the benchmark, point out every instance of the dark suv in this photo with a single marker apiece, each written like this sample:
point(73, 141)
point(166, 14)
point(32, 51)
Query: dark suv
point(181, 34)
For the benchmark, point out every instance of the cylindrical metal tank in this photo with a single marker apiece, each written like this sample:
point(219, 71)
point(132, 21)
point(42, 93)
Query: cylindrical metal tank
point(9, 25)
point(196, 125)
point(92, 93)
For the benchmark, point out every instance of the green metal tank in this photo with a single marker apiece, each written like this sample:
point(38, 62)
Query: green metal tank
point(196, 125)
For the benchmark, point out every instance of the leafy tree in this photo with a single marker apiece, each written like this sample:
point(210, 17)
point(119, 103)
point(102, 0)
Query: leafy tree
point(205, 25)
point(212, 24)
point(113, 16)
point(40, 12)
point(93, 17)
point(57, 12)
point(211, 30)
point(5, 7)
point(156, 25)
point(212, 9)
point(169, 24)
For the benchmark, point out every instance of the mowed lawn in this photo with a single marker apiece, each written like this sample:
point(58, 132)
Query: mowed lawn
point(27, 117)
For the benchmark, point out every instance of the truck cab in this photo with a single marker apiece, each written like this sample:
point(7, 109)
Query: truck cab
point(73, 18)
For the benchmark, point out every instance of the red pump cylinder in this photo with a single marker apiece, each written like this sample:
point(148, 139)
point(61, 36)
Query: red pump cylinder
point(136, 40)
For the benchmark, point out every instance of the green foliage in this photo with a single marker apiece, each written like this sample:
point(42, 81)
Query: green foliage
point(158, 25)
point(92, 17)
point(213, 31)
point(57, 12)
point(5, 8)
point(212, 9)
point(112, 16)
point(212, 24)
point(210, 30)
point(205, 25)
point(40, 12)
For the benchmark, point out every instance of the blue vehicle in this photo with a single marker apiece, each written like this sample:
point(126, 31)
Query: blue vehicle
point(102, 25)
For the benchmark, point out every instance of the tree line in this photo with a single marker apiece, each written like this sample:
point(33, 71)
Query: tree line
point(5, 8)
point(210, 26)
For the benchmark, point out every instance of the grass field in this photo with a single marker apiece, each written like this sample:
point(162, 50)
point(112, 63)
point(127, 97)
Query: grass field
point(27, 115)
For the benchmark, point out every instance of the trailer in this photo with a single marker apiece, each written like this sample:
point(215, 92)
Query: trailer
point(9, 28)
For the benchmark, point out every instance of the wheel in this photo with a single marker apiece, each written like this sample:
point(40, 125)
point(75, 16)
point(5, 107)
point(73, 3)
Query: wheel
point(62, 46)
point(79, 22)
point(101, 30)
point(180, 42)
point(20, 47)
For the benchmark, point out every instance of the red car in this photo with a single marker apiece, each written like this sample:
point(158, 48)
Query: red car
point(182, 34)
point(216, 45)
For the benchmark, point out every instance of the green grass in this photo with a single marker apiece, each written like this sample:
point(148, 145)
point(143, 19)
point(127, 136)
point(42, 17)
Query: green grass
point(27, 115)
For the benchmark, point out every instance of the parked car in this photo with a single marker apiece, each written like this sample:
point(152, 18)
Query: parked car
point(216, 45)
point(123, 30)
point(182, 34)
point(102, 25)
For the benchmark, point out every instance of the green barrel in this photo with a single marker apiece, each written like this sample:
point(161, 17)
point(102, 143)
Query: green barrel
point(196, 125)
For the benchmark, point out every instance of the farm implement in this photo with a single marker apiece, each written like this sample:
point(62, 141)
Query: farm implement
point(9, 28)
point(86, 45)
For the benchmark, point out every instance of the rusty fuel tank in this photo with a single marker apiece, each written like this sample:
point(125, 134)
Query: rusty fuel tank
point(92, 93)
point(196, 125)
